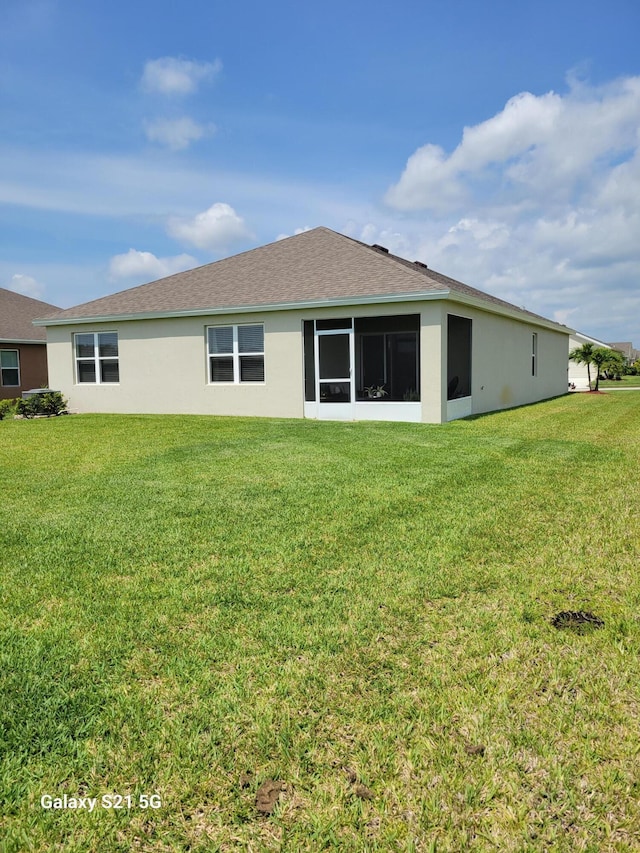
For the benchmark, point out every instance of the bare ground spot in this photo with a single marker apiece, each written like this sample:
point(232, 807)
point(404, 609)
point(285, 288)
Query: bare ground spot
point(268, 795)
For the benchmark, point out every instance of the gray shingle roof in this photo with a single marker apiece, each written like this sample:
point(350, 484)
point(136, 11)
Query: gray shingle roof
point(16, 315)
point(313, 267)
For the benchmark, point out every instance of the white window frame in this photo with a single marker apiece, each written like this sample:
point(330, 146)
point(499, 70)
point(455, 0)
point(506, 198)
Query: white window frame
point(236, 355)
point(2, 368)
point(96, 358)
point(534, 354)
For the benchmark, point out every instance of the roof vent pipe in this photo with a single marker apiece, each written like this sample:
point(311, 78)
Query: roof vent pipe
point(380, 248)
point(420, 264)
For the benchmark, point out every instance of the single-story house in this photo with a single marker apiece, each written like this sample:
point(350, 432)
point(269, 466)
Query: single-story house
point(23, 346)
point(318, 325)
point(578, 373)
point(627, 349)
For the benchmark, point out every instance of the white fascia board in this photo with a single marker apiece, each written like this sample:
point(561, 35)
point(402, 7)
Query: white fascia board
point(346, 301)
point(251, 309)
point(590, 340)
point(21, 341)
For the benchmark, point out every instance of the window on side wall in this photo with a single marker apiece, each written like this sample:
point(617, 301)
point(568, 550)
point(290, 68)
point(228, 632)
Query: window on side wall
point(236, 353)
point(534, 354)
point(459, 354)
point(9, 368)
point(97, 361)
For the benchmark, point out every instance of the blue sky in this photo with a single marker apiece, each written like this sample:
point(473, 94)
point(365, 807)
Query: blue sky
point(497, 142)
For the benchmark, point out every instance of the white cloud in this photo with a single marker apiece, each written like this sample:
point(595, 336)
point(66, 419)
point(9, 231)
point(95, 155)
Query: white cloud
point(620, 187)
point(297, 231)
point(213, 229)
point(172, 76)
point(390, 238)
point(563, 315)
point(177, 133)
point(482, 233)
point(428, 182)
point(542, 148)
point(550, 217)
point(145, 265)
point(540, 205)
point(26, 285)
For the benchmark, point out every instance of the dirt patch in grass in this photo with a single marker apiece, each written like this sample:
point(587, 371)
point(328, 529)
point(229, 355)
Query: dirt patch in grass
point(578, 621)
point(268, 795)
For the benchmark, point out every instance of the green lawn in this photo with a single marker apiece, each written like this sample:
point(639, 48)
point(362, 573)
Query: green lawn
point(191, 606)
point(623, 382)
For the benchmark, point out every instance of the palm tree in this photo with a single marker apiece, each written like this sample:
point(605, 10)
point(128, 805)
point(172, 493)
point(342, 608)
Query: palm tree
point(600, 357)
point(583, 355)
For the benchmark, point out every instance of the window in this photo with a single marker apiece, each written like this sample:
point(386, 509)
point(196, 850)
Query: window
point(458, 357)
point(387, 356)
point(534, 354)
point(9, 368)
point(309, 362)
point(236, 353)
point(97, 358)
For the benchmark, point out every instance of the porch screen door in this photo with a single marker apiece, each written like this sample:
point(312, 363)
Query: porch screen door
point(334, 373)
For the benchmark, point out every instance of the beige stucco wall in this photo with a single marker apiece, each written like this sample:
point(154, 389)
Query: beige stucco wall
point(433, 363)
point(501, 361)
point(163, 363)
point(163, 369)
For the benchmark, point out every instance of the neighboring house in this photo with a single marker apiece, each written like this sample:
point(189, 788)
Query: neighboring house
point(627, 349)
point(578, 373)
point(317, 325)
point(23, 350)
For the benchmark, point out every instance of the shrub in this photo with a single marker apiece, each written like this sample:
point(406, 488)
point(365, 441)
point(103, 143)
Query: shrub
point(8, 408)
point(51, 403)
point(27, 408)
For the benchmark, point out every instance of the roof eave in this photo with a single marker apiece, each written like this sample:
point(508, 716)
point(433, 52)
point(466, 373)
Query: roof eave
point(417, 296)
point(590, 339)
point(250, 309)
point(505, 311)
point(21, 341)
